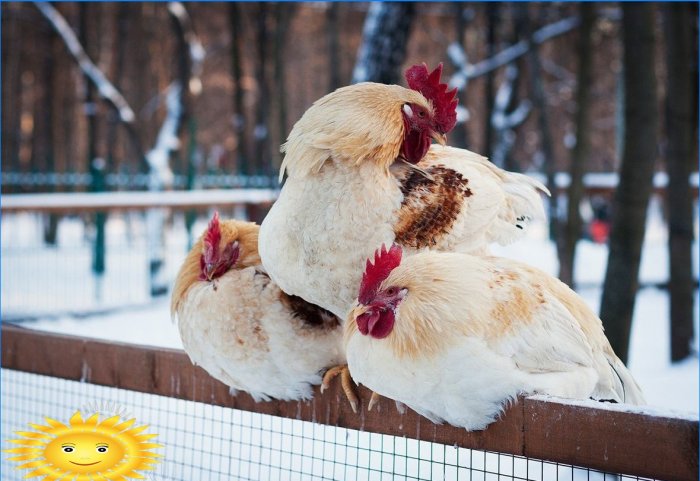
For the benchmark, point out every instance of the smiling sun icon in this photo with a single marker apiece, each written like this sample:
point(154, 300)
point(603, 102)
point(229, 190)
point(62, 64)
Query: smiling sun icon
point(86, 450)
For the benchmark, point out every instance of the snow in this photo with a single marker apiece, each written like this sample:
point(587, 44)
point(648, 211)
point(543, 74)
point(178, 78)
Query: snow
point(54, 285)
point(136, 199)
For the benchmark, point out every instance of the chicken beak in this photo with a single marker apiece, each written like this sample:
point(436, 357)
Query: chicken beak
point(209, 271)
point(439, 138)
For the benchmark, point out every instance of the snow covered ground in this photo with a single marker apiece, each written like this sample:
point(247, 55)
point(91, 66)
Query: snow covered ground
point(54, 285)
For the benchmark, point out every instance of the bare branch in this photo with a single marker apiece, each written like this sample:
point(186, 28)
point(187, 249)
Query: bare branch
point(196, 49)
point(469, 71)
point(504, 122)
point(158, 157)
point(104, 86)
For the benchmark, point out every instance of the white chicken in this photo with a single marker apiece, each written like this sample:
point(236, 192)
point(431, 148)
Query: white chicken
point(456, 337)
point(241, 328)
point(361, 172)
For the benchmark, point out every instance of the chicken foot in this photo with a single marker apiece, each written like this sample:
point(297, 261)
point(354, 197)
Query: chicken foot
point(346, 382)
point(348, 386)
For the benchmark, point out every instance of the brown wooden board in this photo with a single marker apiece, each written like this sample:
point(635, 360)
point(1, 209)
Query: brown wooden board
point(629, 443)
point(612, 440)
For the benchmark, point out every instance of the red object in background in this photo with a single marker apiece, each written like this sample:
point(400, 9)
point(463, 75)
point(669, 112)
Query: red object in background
point(600, 229)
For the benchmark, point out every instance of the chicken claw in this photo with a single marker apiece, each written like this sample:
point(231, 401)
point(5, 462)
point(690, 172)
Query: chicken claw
point(373, 400)
point(346, 382)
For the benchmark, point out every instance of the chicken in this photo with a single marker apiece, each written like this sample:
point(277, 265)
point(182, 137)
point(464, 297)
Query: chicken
point(241, 328)
point(457, 337)
point(361, 172)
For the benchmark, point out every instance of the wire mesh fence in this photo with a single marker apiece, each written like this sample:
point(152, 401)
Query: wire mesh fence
point(41, 279)
point(205, 442)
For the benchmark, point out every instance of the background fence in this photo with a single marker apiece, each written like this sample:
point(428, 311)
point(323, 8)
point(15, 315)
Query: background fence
point(41, 279)
point(210, 435)
point(60, 273)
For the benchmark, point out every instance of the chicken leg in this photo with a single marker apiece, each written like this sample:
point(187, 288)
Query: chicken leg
point(346, 382)
point(348, 387)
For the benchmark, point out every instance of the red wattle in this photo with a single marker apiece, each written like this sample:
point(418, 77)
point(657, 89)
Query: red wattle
point(363, 321)
point(381, 325)
point(415, 145)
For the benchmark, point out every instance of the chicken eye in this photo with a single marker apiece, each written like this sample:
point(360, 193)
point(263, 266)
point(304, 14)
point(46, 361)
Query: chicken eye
point(421, 114)
point(391, 291)
point(102, 449)
point(67, 449)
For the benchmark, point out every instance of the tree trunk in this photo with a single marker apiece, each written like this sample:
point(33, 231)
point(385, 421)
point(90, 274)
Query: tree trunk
point(261, 132)
point(96, 166)
point(459, 136)
point(332, 29)
point(519, 33)
point(679, 160)
point(283, 15)
point(11, 91)
point(492, 12)
point(236, 27)
point(384, 41)
point(117, 74)
point(43, 138)
point(571, 230)
point(636, 175)
point(540, 102)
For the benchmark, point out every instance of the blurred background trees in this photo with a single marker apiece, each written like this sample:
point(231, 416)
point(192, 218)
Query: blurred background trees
point(548, 88)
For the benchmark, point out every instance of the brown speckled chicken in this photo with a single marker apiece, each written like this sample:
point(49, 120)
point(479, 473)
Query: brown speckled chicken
point(362, 172)
point(241, 328)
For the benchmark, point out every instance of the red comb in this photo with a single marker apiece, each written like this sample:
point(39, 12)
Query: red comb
point(444, 101)
point(384, 263)
point(213, 235)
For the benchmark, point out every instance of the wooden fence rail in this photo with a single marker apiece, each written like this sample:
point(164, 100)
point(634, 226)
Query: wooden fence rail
point(105, 201)
point(615, 439)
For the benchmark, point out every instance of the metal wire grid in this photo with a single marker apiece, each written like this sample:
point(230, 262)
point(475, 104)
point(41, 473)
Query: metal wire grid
point(46, 281)
point(204, 442)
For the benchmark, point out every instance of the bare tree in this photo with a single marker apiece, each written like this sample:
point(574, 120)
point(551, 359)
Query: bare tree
point(236, 28)
point(96, 165)
point(11, 89)
point(332, 27)
point(459, 136)
point(510, 112)
point(261, 131)
point(571, 230)
point(157, 158)
point(507, 115)
point(539, 100)
point(43, 141)
point(492, 13)
point(636, 175)
point(679, 161)
point(283, 15)
point(384, 40)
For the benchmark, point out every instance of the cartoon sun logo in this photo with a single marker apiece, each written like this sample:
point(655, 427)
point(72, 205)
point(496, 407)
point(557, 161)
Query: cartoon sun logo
point(87, 450)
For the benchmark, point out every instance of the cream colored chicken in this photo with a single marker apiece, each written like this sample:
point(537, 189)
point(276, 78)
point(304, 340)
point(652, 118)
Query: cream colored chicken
point(361, 171)
point(456, 337)
point(241, 328)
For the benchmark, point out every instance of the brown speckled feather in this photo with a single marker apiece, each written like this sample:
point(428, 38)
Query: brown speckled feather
point(430, 207)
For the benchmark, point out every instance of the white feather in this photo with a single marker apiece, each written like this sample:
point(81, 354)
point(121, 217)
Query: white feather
point(237, 329)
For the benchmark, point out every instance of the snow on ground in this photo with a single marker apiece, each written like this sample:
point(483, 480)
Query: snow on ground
point(53, 284)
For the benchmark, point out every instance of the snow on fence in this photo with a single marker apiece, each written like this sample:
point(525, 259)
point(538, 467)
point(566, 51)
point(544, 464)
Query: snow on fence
point(210, 435)
point(60, 275)
point(104, 201)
